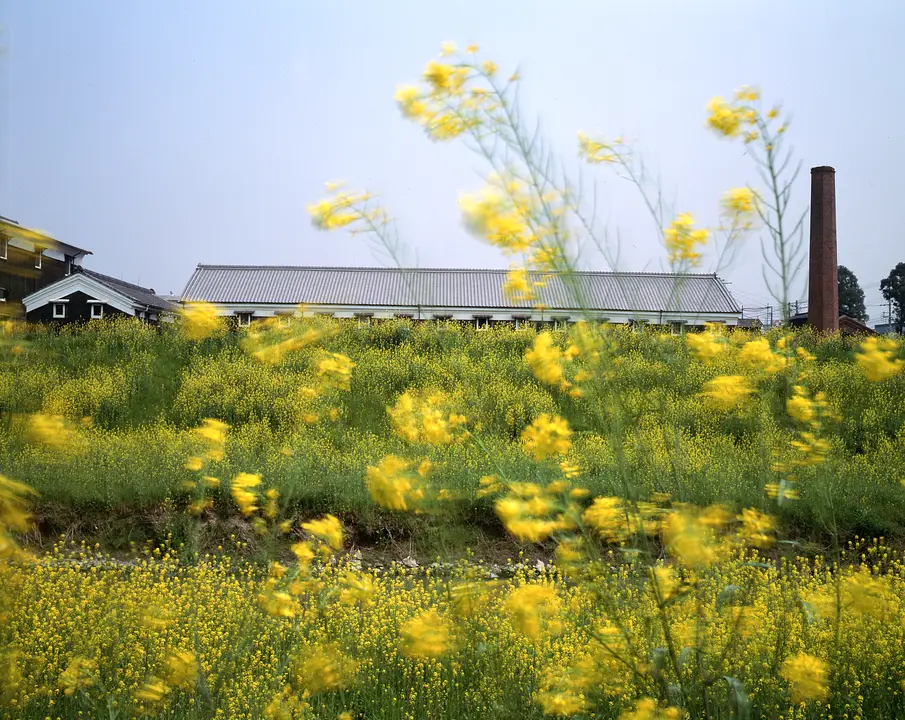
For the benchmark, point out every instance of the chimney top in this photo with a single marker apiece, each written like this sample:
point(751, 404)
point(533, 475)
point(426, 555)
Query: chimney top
point(822, 169)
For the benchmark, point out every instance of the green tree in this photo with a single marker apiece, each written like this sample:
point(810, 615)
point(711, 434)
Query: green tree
point(893, 289)
point(851, 296)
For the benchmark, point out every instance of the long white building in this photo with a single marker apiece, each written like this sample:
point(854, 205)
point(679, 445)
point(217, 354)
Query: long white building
point(253, 292)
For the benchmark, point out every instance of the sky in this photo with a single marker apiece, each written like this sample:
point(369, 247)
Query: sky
point(161, 135)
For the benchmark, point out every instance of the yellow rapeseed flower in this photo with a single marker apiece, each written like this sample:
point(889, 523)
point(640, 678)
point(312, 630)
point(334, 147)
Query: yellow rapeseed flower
point(807, 676)
point(426, 635)
point(681, 239)
point(328, 528)
point(727, 391)
point(876, 359)
point(547, 437)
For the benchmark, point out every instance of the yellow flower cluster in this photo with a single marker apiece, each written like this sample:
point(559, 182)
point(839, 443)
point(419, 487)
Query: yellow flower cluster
point(459, 94)
point(424, 417)
point(548, 436)
point(596, 151)
point(393, 485)
point(877, 360)
point(335, 372)
point(681, 239)
point(742, 116)
point(342, 209)
point(200, 320)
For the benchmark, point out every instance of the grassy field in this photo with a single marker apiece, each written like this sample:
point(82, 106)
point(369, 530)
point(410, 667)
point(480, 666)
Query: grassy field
point(133, 396)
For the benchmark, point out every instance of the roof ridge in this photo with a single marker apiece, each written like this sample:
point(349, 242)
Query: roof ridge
point(337, 268)
point(101, 276)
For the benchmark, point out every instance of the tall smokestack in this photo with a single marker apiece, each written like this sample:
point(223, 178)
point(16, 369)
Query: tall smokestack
point(823, 288)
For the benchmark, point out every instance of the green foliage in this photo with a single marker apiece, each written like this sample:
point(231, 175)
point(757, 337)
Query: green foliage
point(851, 296)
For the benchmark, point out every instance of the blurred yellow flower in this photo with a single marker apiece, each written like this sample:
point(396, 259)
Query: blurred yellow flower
point(425, 636)
point(547, 437)
point(328, 529)
point(876, 359)
point(808, 677)
point(681, 238)
point(727, 391)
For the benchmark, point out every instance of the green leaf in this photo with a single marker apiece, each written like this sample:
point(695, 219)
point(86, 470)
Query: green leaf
point(685, 657)
point(659, 659)
point(739, 704)
point(674, 695)
point(730, 595)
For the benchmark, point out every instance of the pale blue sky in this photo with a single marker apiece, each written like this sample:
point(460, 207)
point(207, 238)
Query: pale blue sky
point(162, 134)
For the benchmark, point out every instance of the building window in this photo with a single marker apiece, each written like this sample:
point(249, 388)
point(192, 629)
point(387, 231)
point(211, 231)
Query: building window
point(3, 247)
point(38, 258)
point(675, 328)
point(521, 321)
point(97, 310)
point(59, 310)
point(443, 317)
point(244, 319)
point(481, 322)
point(4, 294)
point(364, 319)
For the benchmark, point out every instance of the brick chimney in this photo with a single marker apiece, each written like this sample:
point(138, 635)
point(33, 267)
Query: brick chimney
point(823, 288)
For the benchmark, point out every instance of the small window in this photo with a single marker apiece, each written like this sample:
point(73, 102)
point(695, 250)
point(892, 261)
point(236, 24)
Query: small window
point(59, 310)
point(443, 317)
point(3, 247)
point(4, 294)
point(244, 319)
point(404, 316)
point(482, 322)
point(97, 311)
point(38, 255)
point(521, 321)
point(364, 319)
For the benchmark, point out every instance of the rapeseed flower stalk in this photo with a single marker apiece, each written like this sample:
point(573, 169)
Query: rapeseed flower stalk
point(763, 134)
point(681, 239)
point(242, 489)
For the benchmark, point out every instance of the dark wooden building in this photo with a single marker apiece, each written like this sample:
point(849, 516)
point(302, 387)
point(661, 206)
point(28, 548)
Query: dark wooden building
point(87, 295)
point(29, 261)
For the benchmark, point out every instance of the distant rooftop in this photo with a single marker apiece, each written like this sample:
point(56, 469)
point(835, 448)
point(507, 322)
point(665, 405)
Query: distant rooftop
point(142, 295)
point(450, 288)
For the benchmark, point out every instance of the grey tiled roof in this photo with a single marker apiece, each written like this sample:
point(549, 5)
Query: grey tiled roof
point(448, 288)
point(144, 296)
